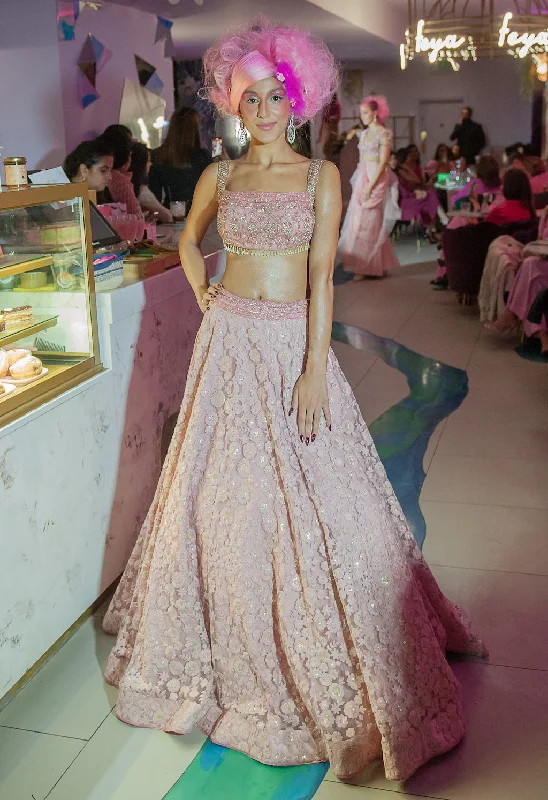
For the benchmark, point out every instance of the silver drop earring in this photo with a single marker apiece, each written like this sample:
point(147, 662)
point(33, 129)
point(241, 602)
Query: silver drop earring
point(241, 132)
point(291, 129)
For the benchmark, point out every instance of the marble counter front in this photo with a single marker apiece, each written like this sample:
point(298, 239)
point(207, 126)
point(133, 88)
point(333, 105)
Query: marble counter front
point(78, 474)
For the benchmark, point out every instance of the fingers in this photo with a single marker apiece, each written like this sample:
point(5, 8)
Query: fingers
point(209, 296)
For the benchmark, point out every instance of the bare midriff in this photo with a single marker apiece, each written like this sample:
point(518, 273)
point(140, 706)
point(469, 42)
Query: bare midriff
point(278, 278)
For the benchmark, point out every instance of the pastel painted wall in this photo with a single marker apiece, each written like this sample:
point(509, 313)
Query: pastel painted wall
point(492, 88)
point(31, 105)
point(126, 32)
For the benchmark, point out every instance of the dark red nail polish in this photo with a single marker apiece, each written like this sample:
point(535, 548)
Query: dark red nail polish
point(313, 439)
point(290, 411)
point(329, 426)
point(307, 441)
point(302, 438)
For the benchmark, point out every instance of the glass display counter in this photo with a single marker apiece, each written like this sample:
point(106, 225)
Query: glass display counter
point(48, 330)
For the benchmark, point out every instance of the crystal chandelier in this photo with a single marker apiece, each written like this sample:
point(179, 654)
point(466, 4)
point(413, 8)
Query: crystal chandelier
point(453, 31)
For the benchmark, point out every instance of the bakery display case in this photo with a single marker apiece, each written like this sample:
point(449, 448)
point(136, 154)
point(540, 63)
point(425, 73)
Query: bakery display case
point(48, 329)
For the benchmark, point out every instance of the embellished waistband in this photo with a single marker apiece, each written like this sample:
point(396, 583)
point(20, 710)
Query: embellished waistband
point(245, 251)
point(260, 309)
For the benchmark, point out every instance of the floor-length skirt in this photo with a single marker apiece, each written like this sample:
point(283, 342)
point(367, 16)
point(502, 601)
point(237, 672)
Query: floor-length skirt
point(364, 244)
point(276, 598)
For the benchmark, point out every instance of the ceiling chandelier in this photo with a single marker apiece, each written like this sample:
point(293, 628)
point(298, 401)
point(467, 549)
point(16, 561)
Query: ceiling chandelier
point(453, 31)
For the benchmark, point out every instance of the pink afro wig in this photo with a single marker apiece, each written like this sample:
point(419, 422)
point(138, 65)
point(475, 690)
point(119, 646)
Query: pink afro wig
point(302, 63)
point(379, 105)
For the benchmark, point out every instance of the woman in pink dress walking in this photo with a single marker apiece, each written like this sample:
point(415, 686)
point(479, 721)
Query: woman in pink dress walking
point(276, 598)
point(364, 243)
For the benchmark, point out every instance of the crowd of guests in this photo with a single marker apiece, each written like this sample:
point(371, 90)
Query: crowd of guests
point(514, 202)
point(125, 171)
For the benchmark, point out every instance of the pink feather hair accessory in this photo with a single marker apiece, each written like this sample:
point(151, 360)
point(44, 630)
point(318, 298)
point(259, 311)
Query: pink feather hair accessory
point(293, 87)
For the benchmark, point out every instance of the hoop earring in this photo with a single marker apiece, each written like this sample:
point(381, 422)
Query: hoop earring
point(241, 132)
point(290, 132)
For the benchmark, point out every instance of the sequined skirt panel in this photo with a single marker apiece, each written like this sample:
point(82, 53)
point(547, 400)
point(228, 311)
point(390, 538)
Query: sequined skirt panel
point(275, 597)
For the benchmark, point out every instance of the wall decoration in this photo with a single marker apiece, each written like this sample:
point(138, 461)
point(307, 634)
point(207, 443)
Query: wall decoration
point(143, 112)
point(148, 77)
point(67, 14)
point(93, 57)
point(163, 33)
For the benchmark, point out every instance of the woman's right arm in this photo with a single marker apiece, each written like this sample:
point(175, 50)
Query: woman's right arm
point(202, 214)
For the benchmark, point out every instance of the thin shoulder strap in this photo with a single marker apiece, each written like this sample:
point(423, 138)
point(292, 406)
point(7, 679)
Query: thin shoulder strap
point(313, 172)
point(222, 176)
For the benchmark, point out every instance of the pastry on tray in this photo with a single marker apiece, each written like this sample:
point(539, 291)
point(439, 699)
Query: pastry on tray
point(16, 316)
point(2, 389)
point(16, 355)
point(27, 367)
point(4, 364)
point(2, 323)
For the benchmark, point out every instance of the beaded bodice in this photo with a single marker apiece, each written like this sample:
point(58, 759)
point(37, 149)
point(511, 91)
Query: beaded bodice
point(370, 146)
point(266, 223)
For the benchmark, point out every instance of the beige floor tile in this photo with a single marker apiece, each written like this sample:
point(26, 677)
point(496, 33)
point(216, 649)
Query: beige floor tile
point(454, 351)
point(338, 791)
point(125, 763)
point(433, 445)
point(504, 379)
point(487, 481)
point(496, 435)
point(68, 697)
point(354, 363)
point(508, 609)
point(380, 389)
point(31, 763)
point(486, 537)
point(503, 756)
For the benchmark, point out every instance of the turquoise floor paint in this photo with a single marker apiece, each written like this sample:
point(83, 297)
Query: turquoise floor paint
point(401, 436)
point(402, 433)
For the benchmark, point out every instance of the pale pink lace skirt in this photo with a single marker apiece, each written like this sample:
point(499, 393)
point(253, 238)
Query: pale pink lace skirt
point(275, 598)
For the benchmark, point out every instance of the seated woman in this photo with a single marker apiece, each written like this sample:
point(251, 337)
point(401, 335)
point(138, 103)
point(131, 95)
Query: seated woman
point(140, 168)
point(418, 200)
point(441, 162)
point(121, 188)
point(530, 279)
point(91, 162)
point(178, 163)
point(538, 176)
point(517, 203)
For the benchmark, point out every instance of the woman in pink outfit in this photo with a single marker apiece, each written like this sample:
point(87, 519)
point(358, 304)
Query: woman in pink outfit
point(364, 243)
point(276, 598)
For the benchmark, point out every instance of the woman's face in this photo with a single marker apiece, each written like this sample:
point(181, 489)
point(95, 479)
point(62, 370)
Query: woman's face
point(367, 115)
point(414, 156)
point(443, 153)
point(265, 110)
point(455, 151)
point(393, 161)
point(99, 175)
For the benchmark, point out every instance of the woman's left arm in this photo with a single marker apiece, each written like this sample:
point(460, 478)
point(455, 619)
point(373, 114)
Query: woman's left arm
point(310, 398)
point(384, 158)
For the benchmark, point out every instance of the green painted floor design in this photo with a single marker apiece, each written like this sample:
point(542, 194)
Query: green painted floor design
point(401, 436)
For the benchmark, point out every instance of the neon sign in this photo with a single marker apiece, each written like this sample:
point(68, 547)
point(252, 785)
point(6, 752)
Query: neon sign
point(524, 43)
point(435, 46)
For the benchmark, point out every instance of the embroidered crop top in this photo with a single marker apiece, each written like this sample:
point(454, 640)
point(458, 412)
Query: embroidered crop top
point(371, 147)
point(266, 223)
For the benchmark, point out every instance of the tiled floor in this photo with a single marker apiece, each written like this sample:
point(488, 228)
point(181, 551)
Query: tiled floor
point(485, 500)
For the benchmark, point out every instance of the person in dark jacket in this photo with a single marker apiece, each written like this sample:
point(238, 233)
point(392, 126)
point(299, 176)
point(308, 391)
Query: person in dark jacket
point(469, 136)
